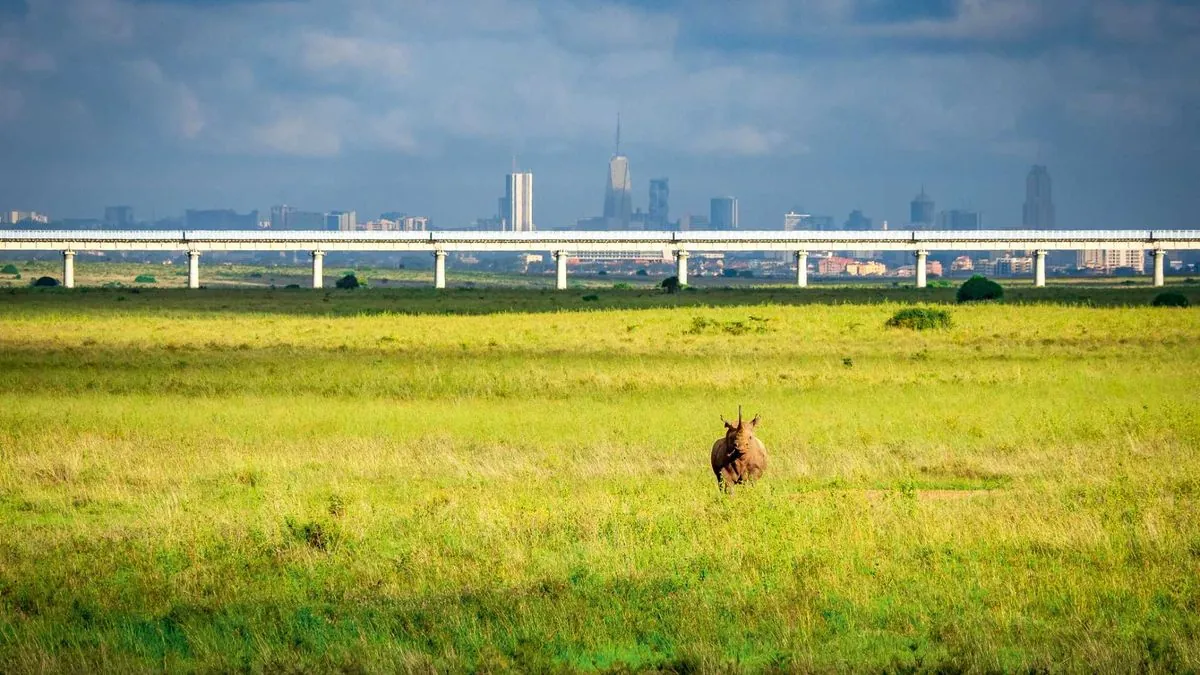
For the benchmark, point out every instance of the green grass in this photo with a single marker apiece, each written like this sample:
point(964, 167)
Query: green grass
point(411, 480)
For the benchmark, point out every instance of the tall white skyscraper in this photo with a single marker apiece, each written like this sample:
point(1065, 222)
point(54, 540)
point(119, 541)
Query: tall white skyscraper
point(618, 193)
point(518, 202)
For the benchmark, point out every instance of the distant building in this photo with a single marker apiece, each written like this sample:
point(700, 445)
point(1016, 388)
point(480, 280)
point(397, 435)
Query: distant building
point(857, 221)
point(723, 213)
point(16, 217)
point(659, 217)
point(118, 216)
point(306, 220)
point(833, 265)
point(219, 219)
point(341, 221)
point(279, 217)
point(517, 203)
point(957, 219)
point(1038, 212)
point(921, 209)
point(866, 268)
point(1110, 260)
point(1011, 266)
point(821, 223)
point(592, 224)
point(618, 193)
point(414, 223)
point(795, 221)
point(962, 263)
point(690, 222)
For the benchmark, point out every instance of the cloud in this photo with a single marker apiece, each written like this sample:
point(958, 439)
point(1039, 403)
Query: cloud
point(759, 80)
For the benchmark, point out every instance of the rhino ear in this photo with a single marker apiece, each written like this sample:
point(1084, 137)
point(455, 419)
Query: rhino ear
point(754, 422)
point(727, 424)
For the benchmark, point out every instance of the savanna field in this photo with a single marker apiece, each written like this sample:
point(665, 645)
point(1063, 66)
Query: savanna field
point(501, 479)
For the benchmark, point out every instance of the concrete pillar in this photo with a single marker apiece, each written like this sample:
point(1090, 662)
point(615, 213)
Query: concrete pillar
point(318, 262)
point(193, 269)
point(920, 268)
point(802, 268)
point(1160, 257)
point(560, 261)
point(439, 269)
point(1039, 269)
point(681, 267)
point(69, 269)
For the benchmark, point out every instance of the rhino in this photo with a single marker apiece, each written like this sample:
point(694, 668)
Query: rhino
point(739, 456)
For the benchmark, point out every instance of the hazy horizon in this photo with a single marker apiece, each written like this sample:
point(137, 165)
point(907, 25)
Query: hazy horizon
point(828, 105)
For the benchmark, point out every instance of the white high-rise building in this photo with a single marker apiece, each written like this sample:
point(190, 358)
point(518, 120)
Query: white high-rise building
point(1108, 260)
point(518, 202)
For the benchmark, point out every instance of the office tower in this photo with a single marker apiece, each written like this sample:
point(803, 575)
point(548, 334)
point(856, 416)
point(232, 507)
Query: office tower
point(342, 221)
point(723, 213)
point(921, 209)
point(219, 219)
point(958, 219)
point(618, 195)
point(660, 194)
point(795, 220)
point(1039, 207)
point(280, 216)
point(857, 221)
point(118, 216)
point(517, 203)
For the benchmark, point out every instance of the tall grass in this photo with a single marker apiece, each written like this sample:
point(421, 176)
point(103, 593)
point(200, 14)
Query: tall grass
point(233, 481)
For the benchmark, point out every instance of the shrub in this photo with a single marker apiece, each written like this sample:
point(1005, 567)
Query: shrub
point(642, 273)
point(590, 298)
point(729, 273)
point(979, 287)
point(145, 279)
point(45, 282)
point(746, 274)
point(940, 283)
point(621, 286)
point(290, 286)
point(10, 269)
point(1170, 299)
point(670, 284)
point(602, 273)
point(348, 282)
point(919, 318)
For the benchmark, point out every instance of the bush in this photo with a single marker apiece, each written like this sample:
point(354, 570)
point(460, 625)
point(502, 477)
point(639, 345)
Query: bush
point(45, 282)
point(621, 286)
point(590, 298)
point(145, 279)
point(729, 273)
point(670, 284)
point(918, 318)
point(348, 282)
point(978, 288)
point(10, 269)
point(642, 273)
point(746, 274)
point(1170, 299)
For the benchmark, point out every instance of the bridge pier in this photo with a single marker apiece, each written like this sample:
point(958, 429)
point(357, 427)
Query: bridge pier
point(318, 269)
point(439, 269)
point(802, 269)
point(560, 262)
point(1160, 257)
point(193, 269)
point(69, 268)
point(681, 267)
point(921, 265)
point(1039, 269)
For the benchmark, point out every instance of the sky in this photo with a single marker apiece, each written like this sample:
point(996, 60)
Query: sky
point(422, 106)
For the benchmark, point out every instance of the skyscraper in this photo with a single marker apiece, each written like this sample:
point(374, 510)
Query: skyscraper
point(857, 221)
point(518, 202)
point(344, 221)
point(921, 209)
point(723, 213)
point(959, 219)
point(1039, 207)
point(618, 195)
point(118, 216)
point(795, 219)
point(660, 194)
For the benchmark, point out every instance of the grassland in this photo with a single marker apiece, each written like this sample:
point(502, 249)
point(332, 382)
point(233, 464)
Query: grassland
point(499, 480)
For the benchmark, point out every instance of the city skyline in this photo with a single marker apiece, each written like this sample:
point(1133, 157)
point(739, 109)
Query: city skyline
point(838, 106)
